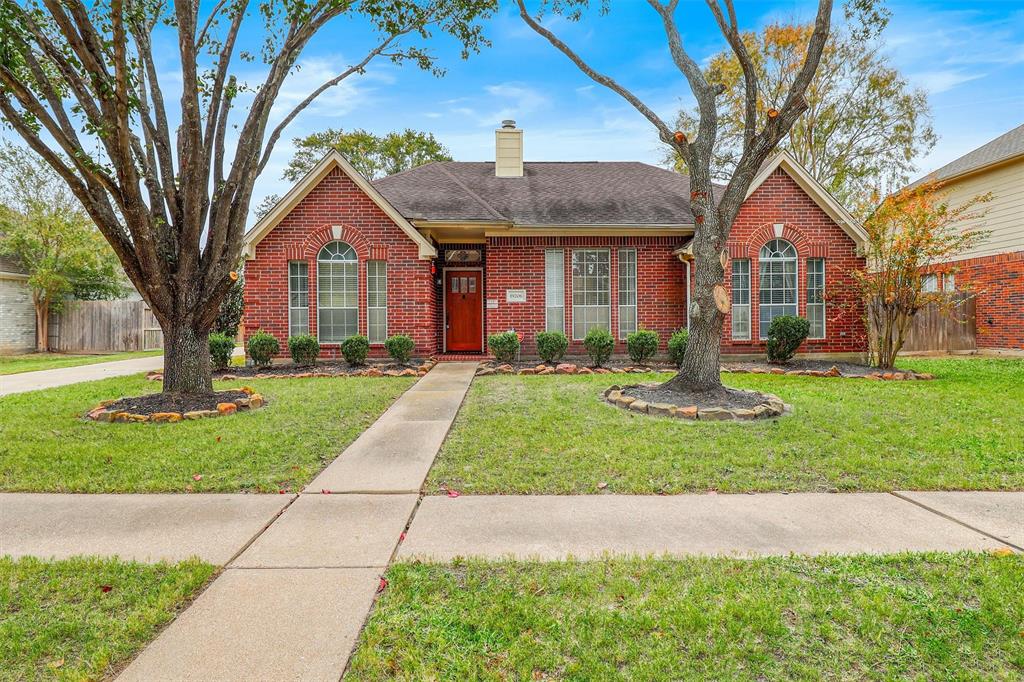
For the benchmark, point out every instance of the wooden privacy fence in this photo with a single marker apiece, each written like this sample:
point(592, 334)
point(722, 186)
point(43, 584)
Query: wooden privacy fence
point(105, 326)
point(935, 330)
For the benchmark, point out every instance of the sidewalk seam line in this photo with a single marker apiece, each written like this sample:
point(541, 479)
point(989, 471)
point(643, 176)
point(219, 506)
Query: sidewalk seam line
point(262, 530)
point(948, 517)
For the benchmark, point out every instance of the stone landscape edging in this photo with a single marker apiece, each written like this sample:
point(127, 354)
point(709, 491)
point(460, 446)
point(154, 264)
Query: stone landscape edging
point(835, 372)
point(770, 408)
point(306, 373)
point(100, 413)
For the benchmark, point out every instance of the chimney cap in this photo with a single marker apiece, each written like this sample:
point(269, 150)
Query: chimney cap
point(508, 123)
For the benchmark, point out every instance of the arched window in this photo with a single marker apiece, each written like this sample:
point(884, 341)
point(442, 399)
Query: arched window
point(777, 265)
point(337, 292)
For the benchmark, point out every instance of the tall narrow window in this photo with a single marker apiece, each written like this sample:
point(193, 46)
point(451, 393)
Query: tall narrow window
point(554, 290)
point(298, 298)
point(337, 295)
point(949, 282)
point(376, 301)
point(816, 297)
point(778, 293)
point(627, 292)
point(930, 283)
point(591, 291)
point(741, 299)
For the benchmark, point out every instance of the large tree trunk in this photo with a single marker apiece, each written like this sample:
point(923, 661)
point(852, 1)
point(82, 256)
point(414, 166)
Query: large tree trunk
point(186, 358)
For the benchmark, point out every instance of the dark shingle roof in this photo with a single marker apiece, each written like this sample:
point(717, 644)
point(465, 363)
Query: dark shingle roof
point(549, 193)
point(1006, 146)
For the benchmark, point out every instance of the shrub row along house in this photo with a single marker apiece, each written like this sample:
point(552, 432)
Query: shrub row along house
point(450, 252)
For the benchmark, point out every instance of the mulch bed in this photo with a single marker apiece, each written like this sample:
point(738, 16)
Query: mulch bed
point(820, 368)
point(570, 367)
point(730, 404)
point(172, 402)
point(328, 368)
point(729, 398)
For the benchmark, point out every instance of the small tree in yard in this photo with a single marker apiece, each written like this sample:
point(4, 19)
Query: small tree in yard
point(81, 84)
point(762, 132)
point(908, 233)
point(44, 229)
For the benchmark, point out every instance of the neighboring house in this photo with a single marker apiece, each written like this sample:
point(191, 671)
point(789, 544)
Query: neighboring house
point(450, 252)
point(994, 268)
point(17, 314)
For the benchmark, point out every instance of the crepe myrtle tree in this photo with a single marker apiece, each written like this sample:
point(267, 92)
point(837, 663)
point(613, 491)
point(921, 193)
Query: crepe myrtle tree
point(81, 85)
point(761, 134)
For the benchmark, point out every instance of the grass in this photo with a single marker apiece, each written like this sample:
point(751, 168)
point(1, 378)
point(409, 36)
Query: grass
point(31, 362)
point(930, 616)
point(46, 446)
point(553, 435)
point(57, 622)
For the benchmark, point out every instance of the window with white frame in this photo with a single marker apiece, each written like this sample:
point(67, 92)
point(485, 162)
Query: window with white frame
point(554, 290)
point(376, 301)
point(627, 292)
point(930, 283)
point(337, 295)
point(949, 282)
point(741, 299)
point(298, 298)
point(591, 291)
point(777, 287)
point(816, 297)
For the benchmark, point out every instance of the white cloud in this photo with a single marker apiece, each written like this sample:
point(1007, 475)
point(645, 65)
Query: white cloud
point(935, 82)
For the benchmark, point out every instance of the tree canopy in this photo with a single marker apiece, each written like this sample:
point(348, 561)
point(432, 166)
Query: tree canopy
point(864, 124)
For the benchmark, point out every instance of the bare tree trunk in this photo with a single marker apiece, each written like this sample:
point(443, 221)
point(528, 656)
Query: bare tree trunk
point(186, 358)
point(42, 324)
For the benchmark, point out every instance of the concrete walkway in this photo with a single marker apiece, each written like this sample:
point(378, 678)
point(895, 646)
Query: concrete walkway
point(50, 378)
point(291, 606)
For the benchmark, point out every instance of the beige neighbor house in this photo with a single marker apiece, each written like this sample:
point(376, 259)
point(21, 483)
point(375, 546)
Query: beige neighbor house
point(994, 268)
point(17, 314)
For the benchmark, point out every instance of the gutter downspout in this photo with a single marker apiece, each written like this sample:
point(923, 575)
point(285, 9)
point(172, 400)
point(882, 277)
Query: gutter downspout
point(687, 264)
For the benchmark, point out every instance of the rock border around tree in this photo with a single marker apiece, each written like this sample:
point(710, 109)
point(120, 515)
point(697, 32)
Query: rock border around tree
point(227, 403)
point(768, 407)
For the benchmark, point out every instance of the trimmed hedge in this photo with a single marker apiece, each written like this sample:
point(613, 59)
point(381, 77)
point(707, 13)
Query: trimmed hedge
point(785, 334)
point(551, 346)
point(221, 348)
point(677, 346)
point(642, 345)
point(599, 344)
point(400, 347)
point(304, 349)
point(504, 346)
point(355, 349)
point(262, 348)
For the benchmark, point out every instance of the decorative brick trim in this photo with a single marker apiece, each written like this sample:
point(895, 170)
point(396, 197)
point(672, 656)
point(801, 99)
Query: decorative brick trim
point(332, 233)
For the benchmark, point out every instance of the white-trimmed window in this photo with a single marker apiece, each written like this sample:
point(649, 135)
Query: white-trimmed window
point(949, 282)
point(376, 301)
point(627, 292)
point(591, 291)
point(778, 290)
point(298, 297)
point(816, 297)
point(930, 283)
point(337, 295)
point(741, 299)
point(554, 290)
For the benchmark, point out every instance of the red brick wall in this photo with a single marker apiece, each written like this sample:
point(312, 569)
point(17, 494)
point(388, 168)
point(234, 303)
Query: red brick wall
point(998, 285)
point(518, 263)
point(338, 202)
point(815, 235)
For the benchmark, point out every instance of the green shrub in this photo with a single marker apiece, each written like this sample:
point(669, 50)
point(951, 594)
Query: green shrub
point(504, 346)
point(551, 346)
point(400, 347)
point(785, 334)
point(304, 349)
point(642, 345)
point(599, 344)
point(677, 346)
point(221, 348)
point(262, 348)
point(355, 349)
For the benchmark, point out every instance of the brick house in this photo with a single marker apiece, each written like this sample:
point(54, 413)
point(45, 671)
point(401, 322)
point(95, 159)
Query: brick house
point(451, 252)
point(994, 269)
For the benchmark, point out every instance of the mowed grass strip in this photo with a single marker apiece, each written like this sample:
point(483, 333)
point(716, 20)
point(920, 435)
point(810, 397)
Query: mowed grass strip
point(554, 435)
point(32, 362)
point(46, 445)
point(83, 618)
point(929, 617)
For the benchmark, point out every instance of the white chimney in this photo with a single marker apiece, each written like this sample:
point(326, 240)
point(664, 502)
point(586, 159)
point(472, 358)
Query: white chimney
point(508, 150)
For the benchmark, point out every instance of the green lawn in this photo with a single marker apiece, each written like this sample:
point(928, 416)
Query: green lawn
point(553, 434)
point(923, 616)
point(46, 446)
point(31, 362)
point(58, 620)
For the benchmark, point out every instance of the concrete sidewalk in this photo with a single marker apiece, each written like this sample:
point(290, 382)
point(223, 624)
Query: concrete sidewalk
point(586, 527)
point(50, 378)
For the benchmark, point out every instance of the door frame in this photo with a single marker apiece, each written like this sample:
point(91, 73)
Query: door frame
point(444, 305)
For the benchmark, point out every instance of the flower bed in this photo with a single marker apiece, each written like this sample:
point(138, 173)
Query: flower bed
point(564, 368)
point(164, 408)
point(731, 405)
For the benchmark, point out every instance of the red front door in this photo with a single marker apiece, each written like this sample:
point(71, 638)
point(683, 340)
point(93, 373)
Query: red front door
point(463, 297)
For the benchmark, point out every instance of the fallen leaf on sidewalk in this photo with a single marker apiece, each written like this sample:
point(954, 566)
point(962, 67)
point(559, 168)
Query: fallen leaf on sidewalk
point(325, 491)
point(401, 538)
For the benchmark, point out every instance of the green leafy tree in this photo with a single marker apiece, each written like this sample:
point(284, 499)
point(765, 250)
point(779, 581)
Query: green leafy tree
point(44, 229)
point(863, 126)
point(168, 180)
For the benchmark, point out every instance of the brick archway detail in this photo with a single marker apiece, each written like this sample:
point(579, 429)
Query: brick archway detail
point(805, 246)
point(316, 240)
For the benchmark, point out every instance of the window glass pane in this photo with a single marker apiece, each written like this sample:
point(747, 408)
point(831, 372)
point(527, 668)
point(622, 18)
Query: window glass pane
point(627, 292)
point(778, 282)
point(554, 290)
point(741, 299)
point(930, 283)
point(949, 282)
point(298, 298)
point(337, 292)
point(816, 297)
point(591, 290)
point(376, 301)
